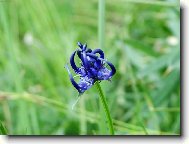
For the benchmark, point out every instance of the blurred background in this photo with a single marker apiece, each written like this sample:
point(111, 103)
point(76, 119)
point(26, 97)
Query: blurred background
point(141, 38)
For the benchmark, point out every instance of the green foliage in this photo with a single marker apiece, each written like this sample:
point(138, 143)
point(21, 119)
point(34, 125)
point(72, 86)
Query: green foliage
point(141, 38)
point(3, 130)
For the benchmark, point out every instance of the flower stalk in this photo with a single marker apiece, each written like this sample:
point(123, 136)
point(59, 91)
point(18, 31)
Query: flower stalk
point(106, 109)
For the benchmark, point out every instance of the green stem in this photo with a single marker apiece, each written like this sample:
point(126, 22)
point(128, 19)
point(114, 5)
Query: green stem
point(105, 106)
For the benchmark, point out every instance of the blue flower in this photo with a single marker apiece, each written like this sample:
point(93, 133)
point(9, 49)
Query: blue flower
point(92, 68)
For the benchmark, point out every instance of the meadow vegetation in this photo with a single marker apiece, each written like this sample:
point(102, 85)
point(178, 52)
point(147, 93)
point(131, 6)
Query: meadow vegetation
point(141, 38)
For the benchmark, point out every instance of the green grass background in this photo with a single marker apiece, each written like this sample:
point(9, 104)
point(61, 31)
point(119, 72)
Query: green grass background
point(141, 38)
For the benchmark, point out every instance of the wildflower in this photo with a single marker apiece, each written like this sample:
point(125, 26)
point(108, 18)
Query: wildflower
point(92, 68)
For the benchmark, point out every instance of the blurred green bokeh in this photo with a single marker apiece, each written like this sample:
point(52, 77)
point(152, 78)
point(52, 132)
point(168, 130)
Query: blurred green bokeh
point(142, 39)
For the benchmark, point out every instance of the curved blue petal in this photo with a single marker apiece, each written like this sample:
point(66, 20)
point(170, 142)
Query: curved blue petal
point(72, 62)
point(88, 50)
point(84, 59)
point(104, 73)
point(92, 55)
point(113, 70)
point(99, 51)
point(73, 81)
point(97, 62)
point(79, 54)
point(84, 47)
point(80, 45)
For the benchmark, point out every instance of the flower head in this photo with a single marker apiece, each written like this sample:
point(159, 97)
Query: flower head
point(92, 68)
